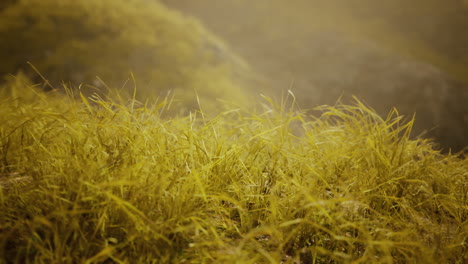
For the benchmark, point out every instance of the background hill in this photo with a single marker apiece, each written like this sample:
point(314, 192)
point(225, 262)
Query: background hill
point(75, 41)
point(408, 54)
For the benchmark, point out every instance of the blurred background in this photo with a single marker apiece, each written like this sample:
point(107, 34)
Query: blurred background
point(412, 55)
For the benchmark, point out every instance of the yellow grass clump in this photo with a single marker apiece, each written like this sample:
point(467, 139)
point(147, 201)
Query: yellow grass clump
point(98, 180)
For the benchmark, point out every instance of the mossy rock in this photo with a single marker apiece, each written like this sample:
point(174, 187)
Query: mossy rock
point(76, 41)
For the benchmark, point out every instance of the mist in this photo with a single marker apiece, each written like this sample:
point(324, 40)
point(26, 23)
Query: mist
point(412, 55)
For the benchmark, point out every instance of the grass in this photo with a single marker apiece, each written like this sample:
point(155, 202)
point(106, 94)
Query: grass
point(103, 180)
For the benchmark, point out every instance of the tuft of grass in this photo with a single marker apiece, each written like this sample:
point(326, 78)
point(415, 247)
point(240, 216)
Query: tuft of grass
point(114, 181)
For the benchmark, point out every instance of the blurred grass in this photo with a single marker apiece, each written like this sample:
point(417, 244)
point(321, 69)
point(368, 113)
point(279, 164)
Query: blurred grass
point(112, 180)
point(110, 42)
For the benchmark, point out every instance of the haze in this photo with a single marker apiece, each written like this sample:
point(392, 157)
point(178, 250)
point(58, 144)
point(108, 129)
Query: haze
point(412, 55)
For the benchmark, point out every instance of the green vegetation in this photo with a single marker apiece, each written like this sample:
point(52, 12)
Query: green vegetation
point(75, 41)
point(92, 180)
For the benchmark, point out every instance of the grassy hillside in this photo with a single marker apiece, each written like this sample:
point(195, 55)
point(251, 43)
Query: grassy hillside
point(92, 180)
point(100, 43)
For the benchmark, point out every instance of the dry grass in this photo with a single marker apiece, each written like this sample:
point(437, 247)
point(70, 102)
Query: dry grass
point(116, 182)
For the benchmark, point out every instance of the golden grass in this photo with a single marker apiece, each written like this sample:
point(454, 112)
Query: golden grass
point(114, 181)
